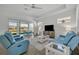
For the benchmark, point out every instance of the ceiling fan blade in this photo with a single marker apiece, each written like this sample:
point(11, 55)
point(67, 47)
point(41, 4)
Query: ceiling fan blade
point(34, 6)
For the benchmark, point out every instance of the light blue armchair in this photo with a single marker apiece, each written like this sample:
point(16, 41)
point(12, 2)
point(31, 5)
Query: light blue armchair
point(14, 45)
point(71, 40)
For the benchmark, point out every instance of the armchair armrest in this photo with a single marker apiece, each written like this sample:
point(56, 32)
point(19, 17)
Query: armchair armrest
point(18, 38)
point(18, 44)
point(19, 47)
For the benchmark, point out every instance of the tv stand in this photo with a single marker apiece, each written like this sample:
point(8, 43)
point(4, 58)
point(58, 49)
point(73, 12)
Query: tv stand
point(50, 33)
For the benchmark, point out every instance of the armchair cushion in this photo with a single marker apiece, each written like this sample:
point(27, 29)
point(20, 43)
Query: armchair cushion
point(9, 36)
point(68, 37)
point(60, 39)
point(4, 41)
point(74, 43)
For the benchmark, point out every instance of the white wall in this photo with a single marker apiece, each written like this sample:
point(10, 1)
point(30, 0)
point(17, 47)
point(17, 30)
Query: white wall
point(77, 18)
point(5, 16)
point(3, 24)
point(52, 19)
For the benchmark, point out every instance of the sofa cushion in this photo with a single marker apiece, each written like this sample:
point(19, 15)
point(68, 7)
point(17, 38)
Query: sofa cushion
point(5, 42)
point(9, 36)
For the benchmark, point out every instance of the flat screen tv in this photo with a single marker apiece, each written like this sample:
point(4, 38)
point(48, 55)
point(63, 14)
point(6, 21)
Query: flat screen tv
point(49, 27)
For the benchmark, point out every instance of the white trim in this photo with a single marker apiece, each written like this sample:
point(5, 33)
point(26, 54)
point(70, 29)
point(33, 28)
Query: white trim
point(76, 18)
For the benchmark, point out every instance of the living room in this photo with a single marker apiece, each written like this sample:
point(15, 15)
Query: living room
point(38, 29)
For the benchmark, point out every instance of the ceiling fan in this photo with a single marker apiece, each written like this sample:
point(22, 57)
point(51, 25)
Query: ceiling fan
point(33, 6)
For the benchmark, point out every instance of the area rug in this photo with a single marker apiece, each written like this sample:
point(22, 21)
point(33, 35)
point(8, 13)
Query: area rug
point(33, 51)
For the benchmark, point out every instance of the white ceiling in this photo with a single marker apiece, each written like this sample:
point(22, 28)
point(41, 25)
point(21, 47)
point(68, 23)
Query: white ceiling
point(17, 11)
point(45, 8)
point(20, 9)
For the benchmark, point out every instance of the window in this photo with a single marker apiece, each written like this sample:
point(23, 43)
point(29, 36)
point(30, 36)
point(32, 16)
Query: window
point(23, 28)
point(13, 26)
point(20, 27)
point(31, 27)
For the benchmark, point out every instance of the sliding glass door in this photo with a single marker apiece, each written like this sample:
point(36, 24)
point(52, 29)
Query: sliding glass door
point(31, 27)
point(23, 28)
point(13, 26)
point(20, 27)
